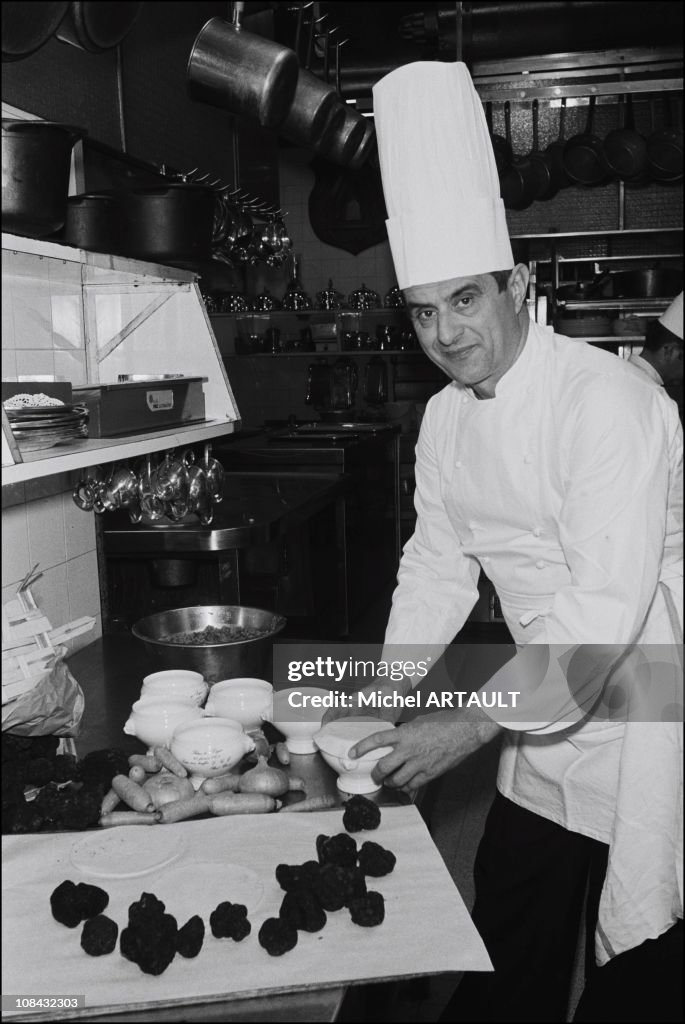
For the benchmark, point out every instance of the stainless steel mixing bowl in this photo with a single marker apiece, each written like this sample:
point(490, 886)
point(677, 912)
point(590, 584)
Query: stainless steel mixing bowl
point(239, 658)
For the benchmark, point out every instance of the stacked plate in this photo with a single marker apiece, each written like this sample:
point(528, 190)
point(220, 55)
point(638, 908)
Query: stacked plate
point(36, 427)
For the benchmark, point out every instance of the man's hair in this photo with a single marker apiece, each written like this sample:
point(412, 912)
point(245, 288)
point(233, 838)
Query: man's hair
point(501, 278)
point(656, 336)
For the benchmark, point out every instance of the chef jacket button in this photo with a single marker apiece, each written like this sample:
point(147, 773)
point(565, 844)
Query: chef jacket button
point(537, 531)
point(540, 564)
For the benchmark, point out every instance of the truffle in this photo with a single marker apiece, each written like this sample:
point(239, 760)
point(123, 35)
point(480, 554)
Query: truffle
point(368, 910)
point(277, 936)
point(335, 886)
point(151, 936)
point(297, 876)
point(302, 910)
point(39, 771)
point(229, 921)
point(340, 849)
point(361, 813)
point(72, 903)
point(190, 937)
point(375, 860)
point(99, 935)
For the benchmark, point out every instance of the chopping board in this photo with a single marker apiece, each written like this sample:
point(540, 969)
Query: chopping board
point(427, 928)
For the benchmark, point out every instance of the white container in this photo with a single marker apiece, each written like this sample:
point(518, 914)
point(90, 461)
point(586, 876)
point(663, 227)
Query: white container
point(153, 721)
point(210, 747)
point(176, 684)
point(297, 713)
point(334, 742)
point(248, 701)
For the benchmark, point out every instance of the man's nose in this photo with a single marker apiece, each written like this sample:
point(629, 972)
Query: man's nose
point(448, 331)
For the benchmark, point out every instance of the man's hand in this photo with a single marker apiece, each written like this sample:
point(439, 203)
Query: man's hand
point(425, 748)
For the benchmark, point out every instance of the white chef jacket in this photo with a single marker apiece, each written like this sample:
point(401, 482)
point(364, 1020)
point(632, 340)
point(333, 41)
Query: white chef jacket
point(646, 367)
point(566, 488)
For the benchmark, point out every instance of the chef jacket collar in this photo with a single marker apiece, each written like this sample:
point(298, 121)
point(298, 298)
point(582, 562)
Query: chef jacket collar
point(514, 380)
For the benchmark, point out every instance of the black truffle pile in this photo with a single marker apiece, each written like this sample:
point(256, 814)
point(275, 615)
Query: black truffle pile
point(70, 792)
point(335, 880)
point(151, 936)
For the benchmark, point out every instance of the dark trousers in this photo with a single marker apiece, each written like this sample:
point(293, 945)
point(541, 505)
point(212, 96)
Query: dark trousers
point(532, 877)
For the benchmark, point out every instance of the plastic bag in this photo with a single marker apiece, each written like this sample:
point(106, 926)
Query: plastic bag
point(54, 707)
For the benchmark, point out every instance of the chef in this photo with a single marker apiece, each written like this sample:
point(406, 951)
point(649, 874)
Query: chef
point(557, 470)
point(662, 356)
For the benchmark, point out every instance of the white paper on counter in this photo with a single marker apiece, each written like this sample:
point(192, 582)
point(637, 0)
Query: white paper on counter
point(427, 929)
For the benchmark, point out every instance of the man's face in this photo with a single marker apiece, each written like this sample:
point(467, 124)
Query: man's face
point(468, 327)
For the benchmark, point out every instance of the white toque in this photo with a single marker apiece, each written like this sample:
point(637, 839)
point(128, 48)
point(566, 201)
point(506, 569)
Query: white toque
point(672, 319)
point(445, 215)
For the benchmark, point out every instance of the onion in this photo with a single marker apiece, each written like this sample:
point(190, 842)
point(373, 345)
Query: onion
point(165, 787)
point(264, 779)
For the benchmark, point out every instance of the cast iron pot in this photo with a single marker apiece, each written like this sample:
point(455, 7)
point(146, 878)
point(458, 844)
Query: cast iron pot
point(624, 148)
point(96, 26)
point(92, 222)
point(169, 222)
point(27, 27)
point(36, 157)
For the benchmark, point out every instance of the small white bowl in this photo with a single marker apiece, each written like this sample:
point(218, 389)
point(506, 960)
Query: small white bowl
point(153, 720)
point(334, 741)
point(246, 700)
point(297, 718)
point(210, 747)
point(176, 684)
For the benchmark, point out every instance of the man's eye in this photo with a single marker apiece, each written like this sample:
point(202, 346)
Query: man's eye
point(425, 316)
point(464, 301)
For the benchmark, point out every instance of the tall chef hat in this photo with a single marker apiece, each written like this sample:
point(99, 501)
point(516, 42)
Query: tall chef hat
point(672, 319)
point(445, 215)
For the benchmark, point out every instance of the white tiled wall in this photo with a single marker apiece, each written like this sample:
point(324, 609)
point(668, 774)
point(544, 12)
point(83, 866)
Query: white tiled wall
point(41, 524)
point(41, 318)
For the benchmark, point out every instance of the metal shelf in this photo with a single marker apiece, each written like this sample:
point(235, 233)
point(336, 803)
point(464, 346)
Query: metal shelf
point(583, 305)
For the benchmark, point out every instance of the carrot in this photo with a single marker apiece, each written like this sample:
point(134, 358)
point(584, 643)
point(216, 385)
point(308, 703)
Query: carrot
point(168, 761)
point(128, 818)
point(220, 784)
point(313, 803)
point(137, 773)
point(145, 761)
point(179, 810)
point(109, 802)
point(132, 794)
point(242, 803)
point(282, 753)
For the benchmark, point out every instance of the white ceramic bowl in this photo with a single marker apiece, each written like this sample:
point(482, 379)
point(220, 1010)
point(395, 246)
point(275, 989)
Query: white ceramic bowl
point(248, 701)
point(297, 717)
point(334, 741)
point(176, 684)
point(209, 747)
point(153, 720)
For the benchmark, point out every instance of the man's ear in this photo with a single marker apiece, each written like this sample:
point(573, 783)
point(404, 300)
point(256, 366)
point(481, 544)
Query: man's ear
point(518, 285)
